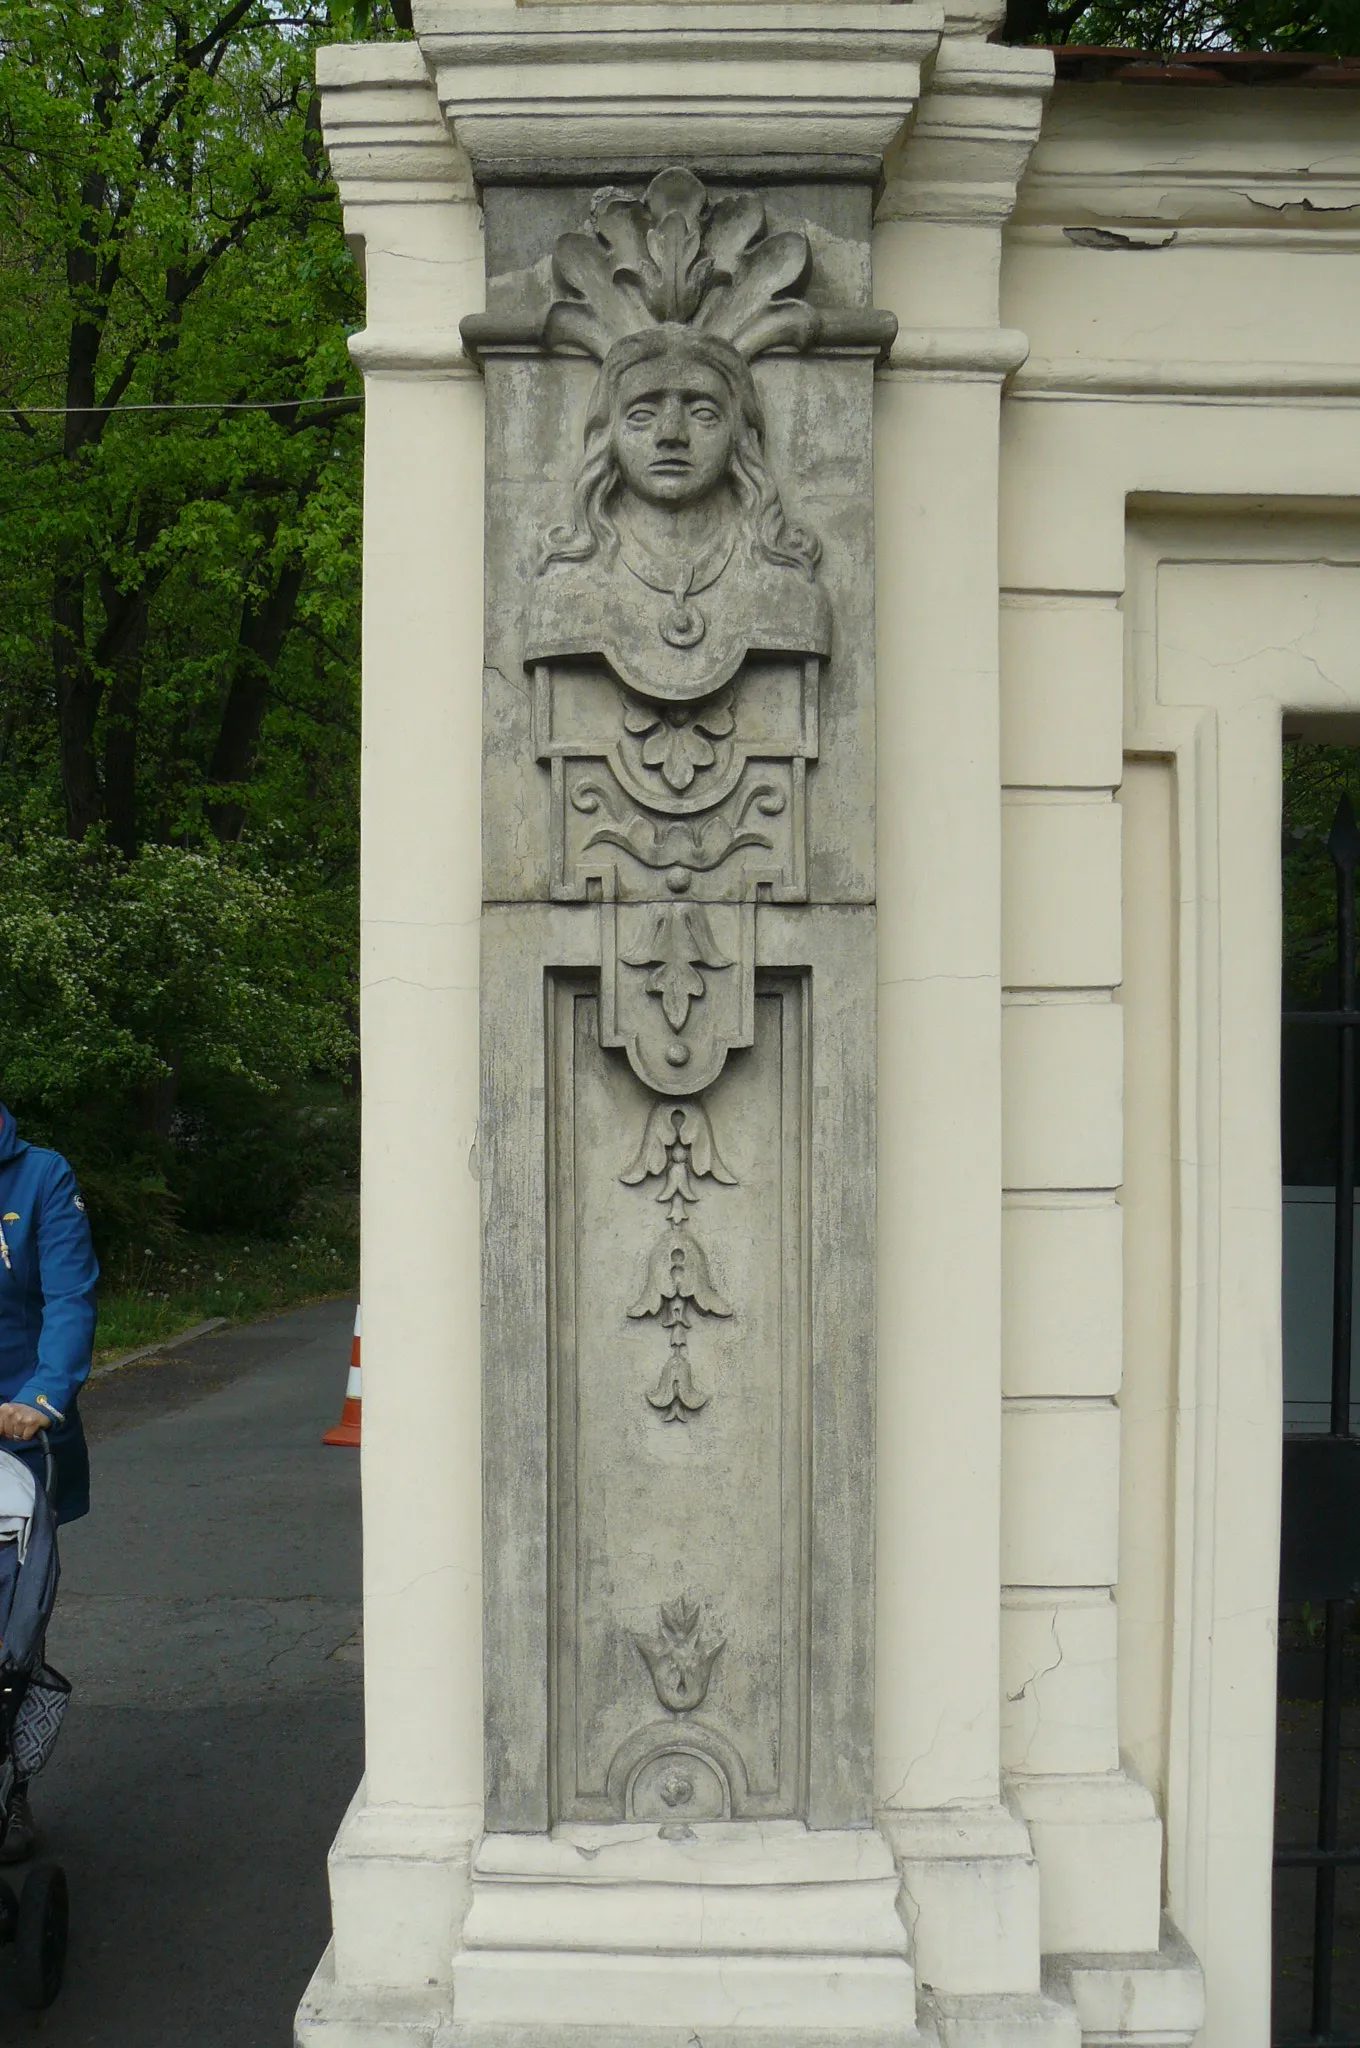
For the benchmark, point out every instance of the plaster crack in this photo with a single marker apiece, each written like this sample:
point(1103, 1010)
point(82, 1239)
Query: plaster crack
point(1036, 1676)
point(919, 980)
point(922, 1756)
point(1304, 205)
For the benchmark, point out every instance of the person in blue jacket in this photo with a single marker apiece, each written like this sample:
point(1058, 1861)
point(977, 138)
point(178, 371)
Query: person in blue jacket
point(48, 1277)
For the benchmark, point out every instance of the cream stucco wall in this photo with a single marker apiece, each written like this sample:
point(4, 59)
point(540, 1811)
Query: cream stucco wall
point(1117, 448)
point(1186, 400)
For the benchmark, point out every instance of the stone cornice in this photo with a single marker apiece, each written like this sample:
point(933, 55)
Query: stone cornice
point(764, 89)
point(964, 156)
point(385, 138)
point(410, 212)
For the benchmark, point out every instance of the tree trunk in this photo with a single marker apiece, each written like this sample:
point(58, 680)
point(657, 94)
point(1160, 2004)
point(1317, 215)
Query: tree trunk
point(78, 694)
point(122, 645)
point(265, 626)
point(160, 1100)
point(120, 755)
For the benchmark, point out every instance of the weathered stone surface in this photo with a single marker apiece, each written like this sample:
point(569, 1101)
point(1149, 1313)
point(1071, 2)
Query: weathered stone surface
point(678, 975)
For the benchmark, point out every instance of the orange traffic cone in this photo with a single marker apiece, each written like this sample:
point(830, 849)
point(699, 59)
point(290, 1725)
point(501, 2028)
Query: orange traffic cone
point(346, 1431)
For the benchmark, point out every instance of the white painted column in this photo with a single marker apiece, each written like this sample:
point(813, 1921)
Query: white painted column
point(398, 1868)
point(969, 1878)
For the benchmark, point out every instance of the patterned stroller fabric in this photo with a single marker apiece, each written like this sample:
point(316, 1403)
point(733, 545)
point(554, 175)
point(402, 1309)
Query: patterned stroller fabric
point(33, 1697)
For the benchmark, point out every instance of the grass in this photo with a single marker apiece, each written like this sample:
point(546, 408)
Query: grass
point(155, 1294)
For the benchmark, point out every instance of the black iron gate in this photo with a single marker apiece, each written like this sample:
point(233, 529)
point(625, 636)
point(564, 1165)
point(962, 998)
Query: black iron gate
point(1320, 1530)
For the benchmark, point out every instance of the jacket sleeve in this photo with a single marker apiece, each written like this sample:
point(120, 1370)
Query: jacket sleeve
point(67, 1274)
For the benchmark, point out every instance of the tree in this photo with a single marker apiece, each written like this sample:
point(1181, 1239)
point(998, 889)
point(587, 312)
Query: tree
point(169, 238)
point(1329, 28)
point(180, 475)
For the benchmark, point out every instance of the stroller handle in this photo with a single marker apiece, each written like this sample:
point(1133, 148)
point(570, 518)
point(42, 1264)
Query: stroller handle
point(49, 1462)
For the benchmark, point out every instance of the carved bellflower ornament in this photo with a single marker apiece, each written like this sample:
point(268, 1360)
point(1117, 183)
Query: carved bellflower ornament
point(678, 1149)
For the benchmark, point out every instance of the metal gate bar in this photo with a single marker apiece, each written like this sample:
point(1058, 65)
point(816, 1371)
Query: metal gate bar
point(1320, 1537)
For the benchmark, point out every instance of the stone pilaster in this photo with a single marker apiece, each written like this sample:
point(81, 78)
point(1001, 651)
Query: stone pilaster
point(399, 1865)
point(970, 1881)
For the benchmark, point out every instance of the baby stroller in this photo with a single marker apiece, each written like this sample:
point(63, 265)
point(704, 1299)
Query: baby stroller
point(33, 1702)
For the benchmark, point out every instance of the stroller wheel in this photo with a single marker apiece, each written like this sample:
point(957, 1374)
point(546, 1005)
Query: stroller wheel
point(9, 1912)
point(40, 1961)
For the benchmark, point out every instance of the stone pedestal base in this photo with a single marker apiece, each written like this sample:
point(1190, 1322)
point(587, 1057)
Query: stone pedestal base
point(751, 1935)
point(334, 2015)
point(970, 1898)
point(1154, 2000)
point(746, 1926)
point(1098, 1843)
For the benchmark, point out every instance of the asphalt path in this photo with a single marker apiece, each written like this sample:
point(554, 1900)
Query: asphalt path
point(208, 1619)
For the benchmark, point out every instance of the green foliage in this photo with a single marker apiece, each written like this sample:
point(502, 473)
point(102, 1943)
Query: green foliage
point(118, 975)
point(1178, 27)
point(255, 1166)
point(154, 1008)
point(179, 599)
point(155, 1294)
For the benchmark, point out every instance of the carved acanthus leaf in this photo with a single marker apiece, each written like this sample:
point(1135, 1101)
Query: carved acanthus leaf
point(696, 844)
point(675, 257)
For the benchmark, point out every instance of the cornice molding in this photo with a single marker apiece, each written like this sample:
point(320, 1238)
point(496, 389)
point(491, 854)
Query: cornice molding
point(1183, 379)
point(410, 209)
point(764, 90)
point(429, 351)
point(964, 156)
point(384, 135)
point(958, 354)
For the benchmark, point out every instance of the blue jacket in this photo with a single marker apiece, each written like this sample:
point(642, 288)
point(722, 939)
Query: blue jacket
point(48, 1276)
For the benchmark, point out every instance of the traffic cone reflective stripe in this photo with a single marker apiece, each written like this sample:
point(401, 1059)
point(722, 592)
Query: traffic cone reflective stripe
point(346, 1431)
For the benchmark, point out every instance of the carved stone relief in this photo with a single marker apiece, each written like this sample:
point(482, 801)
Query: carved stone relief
point(651, 799)
point(678, 1149)
point(682, 1462)
point(679, 571)
point(680, 1656)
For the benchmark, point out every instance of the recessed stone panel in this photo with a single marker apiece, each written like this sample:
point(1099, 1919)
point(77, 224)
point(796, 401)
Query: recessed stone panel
point(680, 1423)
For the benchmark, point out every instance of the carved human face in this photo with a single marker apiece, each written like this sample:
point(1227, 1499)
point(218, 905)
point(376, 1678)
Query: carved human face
point(673, 430)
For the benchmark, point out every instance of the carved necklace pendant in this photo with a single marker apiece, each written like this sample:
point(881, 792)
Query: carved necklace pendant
point(682, 624)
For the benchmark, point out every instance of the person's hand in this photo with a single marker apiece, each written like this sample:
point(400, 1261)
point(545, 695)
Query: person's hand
point(21, 1423)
